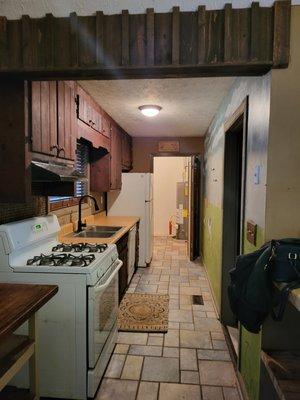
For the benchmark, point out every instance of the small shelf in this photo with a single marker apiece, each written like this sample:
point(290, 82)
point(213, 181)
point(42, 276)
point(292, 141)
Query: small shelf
point(15, 351)
point(283, 368)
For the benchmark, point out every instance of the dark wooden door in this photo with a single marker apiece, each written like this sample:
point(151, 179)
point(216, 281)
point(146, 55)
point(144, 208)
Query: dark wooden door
point(67, 120)
point(44, 117)
point(195, 207)
point(116, 159)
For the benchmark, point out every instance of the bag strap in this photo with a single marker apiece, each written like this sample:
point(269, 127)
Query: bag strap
point(284, 295)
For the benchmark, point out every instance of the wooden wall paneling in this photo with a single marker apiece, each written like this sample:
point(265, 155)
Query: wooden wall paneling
point(189, 38)
point(36, 128)
point(112, 40)
point(87, 45)
point(237, 45)
point(27, 56)
point(138, 32)
point(176, 27)
point(14, 40)
point(3, 42)
point(228, 33)
point(62, 48)
point(99, 37)
point(214, 36)
point(74, 39)
point(49, 40)
point(125, 37)
point(150, 36)
point(45, 117)
point(201, 25)
point(53, 116)
point(281, 42)
point(163, 39)
point(266, 33)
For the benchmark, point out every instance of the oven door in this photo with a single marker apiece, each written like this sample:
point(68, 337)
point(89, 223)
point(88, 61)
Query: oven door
point(103, 300)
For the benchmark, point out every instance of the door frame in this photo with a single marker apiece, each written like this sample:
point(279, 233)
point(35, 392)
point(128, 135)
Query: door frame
point(241, 113)
point(190, 154)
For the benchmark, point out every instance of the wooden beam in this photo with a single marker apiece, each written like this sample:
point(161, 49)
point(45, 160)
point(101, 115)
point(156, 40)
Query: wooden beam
point(228, 33)
point(254, 36)
point(49, 32)
point(26, 41)
point(74, 39)
point(201, 34)
point(99, 37)
point(175, 35)
point(125, 37)
point(3, 41)
point(150, 36)
point(281, 42)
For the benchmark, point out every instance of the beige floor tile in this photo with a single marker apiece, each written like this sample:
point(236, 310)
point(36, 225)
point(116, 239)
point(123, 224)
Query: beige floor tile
point(217, 373)
point(160, 369)
point(132, 367)
point(213, 355)
point(146, 288)
point(189, 377)
point(188, 359)
point(212, 393)
point(115, 366)
point(207, 324)
point(195, 340)
point(187, 326)
point(155, 341)
point(155, 351)
point(230, 393)
point(169, 391)
point(171, 338)
point(114, 389)
point(148, 391)
point(121, 348)
point(219, 344)
point(171, 352)
point(180, 316)
point(217, 335)
point(132, 338)
point(173, 325)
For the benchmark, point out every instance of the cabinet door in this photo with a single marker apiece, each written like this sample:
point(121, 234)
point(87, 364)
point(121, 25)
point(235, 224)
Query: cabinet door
point(99, 172)
point(116, 159)
point(105, 128)
point(44, 117)
point(126, 152)
point(67, 121)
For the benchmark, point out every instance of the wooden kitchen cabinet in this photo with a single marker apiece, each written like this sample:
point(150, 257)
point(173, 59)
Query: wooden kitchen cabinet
point(53, 119)
point(44, 118)
point(99, 172)
point(116, 158)
point(67, 121)
point(126, 152)
point(122, 246)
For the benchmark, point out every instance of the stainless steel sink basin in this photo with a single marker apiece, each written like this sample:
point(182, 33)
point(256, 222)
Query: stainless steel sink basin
point(97, 231)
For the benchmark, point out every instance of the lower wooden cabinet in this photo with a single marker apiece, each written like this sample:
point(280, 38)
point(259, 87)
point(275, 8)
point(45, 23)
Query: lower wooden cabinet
point(122, 246)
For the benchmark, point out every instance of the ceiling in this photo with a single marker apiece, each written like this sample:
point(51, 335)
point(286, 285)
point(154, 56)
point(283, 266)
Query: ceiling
point(188, 104)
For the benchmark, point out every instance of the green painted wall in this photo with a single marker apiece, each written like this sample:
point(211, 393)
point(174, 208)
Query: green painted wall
point(212, 248)
point(258, 91)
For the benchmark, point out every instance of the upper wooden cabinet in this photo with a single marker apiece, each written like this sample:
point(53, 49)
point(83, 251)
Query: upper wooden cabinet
point(126, 152)
point(53, 119)
point(116, 158)
point(67, 120)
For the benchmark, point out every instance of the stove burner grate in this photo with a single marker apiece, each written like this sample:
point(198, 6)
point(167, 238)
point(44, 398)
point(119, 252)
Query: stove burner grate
point(62, 260)
point(80, 247)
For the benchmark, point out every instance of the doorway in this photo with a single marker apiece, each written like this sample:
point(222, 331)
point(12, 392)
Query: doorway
point(233, 209)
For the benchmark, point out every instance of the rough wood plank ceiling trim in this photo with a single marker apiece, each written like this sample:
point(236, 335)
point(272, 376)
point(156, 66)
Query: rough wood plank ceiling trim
point(217, 40)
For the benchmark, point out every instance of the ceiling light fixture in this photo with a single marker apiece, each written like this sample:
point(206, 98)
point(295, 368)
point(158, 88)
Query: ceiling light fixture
point(149, 110)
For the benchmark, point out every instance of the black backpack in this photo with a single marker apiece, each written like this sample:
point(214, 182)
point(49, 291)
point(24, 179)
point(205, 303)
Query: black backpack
point(251, 292)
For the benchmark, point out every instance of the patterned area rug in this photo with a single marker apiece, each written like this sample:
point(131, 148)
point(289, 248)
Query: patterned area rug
point(143, 312)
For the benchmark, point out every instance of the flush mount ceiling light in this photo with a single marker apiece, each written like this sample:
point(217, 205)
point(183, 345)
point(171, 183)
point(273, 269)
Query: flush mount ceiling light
point(149, 110)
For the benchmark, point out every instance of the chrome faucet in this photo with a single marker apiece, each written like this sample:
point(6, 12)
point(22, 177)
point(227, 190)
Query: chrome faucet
point(80, 223)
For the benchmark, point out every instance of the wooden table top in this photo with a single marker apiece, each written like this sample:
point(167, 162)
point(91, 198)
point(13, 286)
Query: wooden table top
point(18, 302)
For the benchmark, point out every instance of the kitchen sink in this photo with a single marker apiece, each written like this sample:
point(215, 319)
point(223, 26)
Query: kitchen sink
point(97, 231)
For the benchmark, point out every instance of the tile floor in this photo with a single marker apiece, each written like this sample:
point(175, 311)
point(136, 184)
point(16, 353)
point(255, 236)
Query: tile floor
point(191, 361)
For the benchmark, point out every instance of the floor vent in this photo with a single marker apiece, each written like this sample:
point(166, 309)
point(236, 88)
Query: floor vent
point(198, 299)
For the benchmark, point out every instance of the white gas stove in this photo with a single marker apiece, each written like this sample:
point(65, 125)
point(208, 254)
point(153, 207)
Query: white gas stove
point(78, 326)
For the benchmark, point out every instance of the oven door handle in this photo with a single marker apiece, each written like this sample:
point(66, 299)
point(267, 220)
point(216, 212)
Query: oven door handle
point(100, 288)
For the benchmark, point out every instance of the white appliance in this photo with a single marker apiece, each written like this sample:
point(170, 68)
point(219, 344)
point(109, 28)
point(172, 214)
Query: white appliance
point(131, 253)
point(136, 199)
point(77, 328)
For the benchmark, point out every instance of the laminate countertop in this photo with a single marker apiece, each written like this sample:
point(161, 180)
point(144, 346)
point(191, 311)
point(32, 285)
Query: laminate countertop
point(18, 302)
point(101, 220)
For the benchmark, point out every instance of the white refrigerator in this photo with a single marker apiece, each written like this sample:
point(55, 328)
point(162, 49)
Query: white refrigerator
point(135, 199)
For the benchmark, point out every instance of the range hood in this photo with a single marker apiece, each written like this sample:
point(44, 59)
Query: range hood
point(47, 172)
